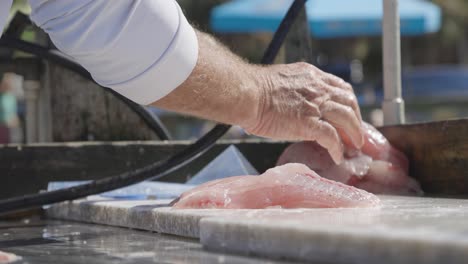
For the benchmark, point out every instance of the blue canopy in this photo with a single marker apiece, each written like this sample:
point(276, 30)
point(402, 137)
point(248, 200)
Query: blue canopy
point(327, 18)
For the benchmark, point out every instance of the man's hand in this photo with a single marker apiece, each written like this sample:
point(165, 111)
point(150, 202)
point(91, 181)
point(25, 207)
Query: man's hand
point(301, 102)
point(291, 102)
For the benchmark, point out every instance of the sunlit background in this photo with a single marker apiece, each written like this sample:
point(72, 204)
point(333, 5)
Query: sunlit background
point(346, 41)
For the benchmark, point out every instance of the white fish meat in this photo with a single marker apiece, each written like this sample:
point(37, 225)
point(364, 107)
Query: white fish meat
point(287, 186)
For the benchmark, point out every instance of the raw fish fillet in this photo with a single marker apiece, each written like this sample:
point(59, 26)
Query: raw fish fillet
point(377, 167)
point(288, 186)
point(378, 148)
point(7, 258)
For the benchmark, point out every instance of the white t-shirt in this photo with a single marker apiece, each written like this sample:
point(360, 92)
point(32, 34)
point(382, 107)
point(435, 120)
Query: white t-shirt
point(142, 49)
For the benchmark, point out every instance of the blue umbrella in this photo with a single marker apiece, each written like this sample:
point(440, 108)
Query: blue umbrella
point(327, 18)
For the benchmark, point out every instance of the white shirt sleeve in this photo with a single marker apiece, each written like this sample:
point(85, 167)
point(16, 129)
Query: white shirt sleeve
point(4, 12)
point(142, 49)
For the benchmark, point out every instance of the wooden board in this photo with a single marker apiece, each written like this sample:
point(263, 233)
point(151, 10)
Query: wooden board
point(81, 110)
point(38, 164)
point(438, 154)
point(403, 230)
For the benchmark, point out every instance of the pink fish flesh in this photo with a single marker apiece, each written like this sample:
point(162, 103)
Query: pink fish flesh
point(287, 186)
point(378, 167)
point(7, 257)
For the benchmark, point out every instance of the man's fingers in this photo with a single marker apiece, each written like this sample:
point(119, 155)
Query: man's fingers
point(343, 118)
point(336, 81)
point(348, 99)
point(327, 136)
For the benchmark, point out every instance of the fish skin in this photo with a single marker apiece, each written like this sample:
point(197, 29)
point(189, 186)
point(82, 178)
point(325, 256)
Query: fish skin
point(288, 186)
point(377, 167)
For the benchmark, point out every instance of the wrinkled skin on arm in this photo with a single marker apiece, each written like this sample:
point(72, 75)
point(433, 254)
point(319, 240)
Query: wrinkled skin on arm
point(302, 102)
point(290, 101)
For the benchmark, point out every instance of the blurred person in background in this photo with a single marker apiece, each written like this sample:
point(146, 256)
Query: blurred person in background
point(8, 109)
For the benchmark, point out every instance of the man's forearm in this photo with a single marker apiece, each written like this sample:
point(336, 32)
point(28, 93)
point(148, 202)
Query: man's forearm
point(290, 101)
point(222, 87)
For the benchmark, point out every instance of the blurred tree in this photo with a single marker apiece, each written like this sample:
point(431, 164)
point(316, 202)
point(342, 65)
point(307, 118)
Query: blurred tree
point(198, 12)
point(456, 26)
point(22, 5)
point(249, 46)
point(457, 9)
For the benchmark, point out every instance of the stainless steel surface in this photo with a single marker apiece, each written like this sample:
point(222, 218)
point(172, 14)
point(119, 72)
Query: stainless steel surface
point(68, 242)
point(393, 105)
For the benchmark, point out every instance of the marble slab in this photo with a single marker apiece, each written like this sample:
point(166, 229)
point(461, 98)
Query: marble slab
point(403, 230)
point(151, 215)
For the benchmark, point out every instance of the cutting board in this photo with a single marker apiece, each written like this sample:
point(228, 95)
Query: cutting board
point(403, 230)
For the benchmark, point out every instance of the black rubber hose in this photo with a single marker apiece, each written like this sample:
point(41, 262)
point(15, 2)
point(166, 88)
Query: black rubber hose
point(153, 171)
point(150, 119)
